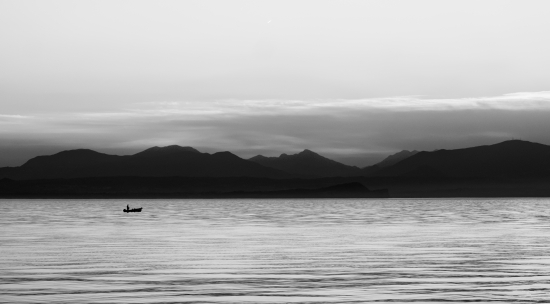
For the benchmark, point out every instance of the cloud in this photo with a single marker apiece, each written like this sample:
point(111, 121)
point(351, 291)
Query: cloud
point(342, 129)
point(514, 101)
point(5, 116)
point(13, 120)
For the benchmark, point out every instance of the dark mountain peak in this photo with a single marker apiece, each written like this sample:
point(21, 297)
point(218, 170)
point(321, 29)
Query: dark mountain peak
point(156, 151)
point(406, 152)
point(308, 153)
point(305, 154)
point(402, 154)
point(307, 163)
point(507, 146)
point(226, 155)
point(56, 165)
point(77, 152)
point(395, 158)
point(176, 148)
point(511, 158)
point(517, 143)
point(153, 162)
point(76, 155)
point(258, 157)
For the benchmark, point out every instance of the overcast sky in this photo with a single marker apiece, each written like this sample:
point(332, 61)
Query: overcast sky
point(352, 80)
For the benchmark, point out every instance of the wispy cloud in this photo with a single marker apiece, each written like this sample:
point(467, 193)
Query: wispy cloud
point(6, 116)
point(270, 107)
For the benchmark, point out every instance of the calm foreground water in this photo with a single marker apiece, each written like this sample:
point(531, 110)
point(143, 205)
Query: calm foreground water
point(275, 251)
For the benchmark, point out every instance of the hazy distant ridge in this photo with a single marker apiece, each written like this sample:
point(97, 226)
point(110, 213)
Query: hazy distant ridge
point(167, 161)
point(395, 158)
point(509, 159)
point(307, 163)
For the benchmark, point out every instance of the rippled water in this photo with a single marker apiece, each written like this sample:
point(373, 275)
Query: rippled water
point(275, 251)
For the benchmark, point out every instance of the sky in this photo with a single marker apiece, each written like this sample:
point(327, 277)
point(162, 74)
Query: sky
point(351, 80)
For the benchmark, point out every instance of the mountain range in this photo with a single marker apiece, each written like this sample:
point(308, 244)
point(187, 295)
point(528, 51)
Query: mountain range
point(514, 158)
point(395, 158)
point(308, 164)
point(153, 162)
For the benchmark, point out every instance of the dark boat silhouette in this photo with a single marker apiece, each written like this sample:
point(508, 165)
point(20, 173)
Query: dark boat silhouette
point(133, 210)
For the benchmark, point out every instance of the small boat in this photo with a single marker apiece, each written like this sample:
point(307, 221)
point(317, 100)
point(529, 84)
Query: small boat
point(133, 210)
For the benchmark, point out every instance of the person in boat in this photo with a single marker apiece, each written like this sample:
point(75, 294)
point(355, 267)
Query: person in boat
point(128, 207)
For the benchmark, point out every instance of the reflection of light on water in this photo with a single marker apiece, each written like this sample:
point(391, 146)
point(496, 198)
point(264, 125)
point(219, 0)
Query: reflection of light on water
point(274, 251)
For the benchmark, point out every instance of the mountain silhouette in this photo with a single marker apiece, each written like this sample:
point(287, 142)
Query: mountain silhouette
point(162, 151)
point(386, 162)
point(307, 163)
point(153, 162)
point(513, 158)
point(65, 164)
point(395, 158)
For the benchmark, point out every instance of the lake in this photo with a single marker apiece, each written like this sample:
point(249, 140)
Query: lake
point(275, 251)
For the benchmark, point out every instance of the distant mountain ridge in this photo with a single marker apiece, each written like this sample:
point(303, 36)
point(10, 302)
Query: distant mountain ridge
point(508, 159)
point(156, 161)
point(386, 162)
point(513, 158)
point(307, 163)
point(395, 158)
point(157, 151)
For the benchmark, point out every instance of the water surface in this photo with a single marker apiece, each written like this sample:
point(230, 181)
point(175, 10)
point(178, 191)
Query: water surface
point(275, 251)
